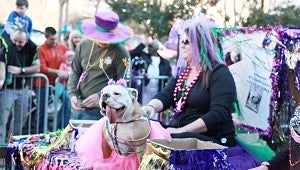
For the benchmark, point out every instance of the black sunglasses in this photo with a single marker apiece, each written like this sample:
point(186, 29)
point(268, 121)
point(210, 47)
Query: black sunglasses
point(185, 42)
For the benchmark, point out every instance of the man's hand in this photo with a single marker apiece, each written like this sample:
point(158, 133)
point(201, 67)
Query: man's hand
point(76, 104)
point(262, 167)
point(14, 69)
point(1, 83)
point(62, 74)
point(91, 101)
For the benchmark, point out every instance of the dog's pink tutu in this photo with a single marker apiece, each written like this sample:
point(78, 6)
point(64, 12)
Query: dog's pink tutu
point(88, 146)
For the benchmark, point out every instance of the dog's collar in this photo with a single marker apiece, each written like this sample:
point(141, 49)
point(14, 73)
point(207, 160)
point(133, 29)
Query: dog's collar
point(128, 140)
point(115, 139)
point(139, 118)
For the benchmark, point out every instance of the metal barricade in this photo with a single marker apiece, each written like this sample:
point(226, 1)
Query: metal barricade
point(61, 103)
point(19, 103)
point(163, 82)
point(162, 116)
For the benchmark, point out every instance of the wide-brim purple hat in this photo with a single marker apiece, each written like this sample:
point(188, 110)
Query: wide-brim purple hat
point(105, 28)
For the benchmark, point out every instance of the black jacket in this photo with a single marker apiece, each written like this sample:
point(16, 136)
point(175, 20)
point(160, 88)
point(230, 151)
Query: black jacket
point(213, 104)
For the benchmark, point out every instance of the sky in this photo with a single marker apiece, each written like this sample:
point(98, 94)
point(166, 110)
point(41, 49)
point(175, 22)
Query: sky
point(45, 12)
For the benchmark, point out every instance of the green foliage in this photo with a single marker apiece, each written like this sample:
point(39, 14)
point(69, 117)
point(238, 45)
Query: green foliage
point(154, 17)
point(280, 16)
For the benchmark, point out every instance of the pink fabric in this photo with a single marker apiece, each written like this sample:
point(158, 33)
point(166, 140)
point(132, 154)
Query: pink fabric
point(158, 132)
point(116, 161)
point(88, 146)
point(294, 135)
point(67, 68)
point(60, 160)
point(67, 54)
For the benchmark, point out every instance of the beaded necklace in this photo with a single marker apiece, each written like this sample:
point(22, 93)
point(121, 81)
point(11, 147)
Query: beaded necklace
point(296, 139)
point(292, 164)
point(183, 89)
point(89, 66)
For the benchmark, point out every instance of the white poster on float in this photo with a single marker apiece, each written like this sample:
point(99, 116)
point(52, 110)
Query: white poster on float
point(249, 57)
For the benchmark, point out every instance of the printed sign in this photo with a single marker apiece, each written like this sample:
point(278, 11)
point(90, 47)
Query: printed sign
point(250, 60)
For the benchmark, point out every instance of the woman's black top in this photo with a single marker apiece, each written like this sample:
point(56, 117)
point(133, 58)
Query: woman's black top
point(214, 104)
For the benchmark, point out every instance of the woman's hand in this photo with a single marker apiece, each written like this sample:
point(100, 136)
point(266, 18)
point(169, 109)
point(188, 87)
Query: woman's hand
point(175, 130)
point(76, 104)
point(262, 167)
point(149, 110)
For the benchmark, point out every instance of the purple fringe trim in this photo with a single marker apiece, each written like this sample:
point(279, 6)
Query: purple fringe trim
point(199, 159)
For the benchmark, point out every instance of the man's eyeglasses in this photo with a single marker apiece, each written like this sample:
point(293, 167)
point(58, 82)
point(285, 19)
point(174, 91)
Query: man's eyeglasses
point(185, 42)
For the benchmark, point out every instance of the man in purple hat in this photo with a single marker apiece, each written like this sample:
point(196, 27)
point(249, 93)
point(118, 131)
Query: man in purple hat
point(98, 58)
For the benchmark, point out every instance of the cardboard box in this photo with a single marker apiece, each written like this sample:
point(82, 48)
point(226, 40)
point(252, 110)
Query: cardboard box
point(19, 137)
point(81, 123)
point(184, 153)
point(79, 127)
point(186, 144)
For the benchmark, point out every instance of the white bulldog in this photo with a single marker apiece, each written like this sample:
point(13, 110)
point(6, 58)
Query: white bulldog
point(127, 128)
point(119, 104)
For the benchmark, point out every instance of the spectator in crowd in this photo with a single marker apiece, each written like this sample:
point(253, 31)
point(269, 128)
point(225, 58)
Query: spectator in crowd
point(232, 57)
point(51, 55)
point(101, 56)
point(18, 56)
point(66, 34)
point(201, 90)
point(137, 70)
point(155, 66)
point(18, 20)
point(66, 65)
point(171, 49)
point(74, 39)
point(287, 155)
point(279, 162)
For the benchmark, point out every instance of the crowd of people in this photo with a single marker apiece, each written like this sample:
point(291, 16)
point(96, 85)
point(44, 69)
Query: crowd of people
point(201, 89)
point(98, 58)
point(154, 65)
point(21, 56)
point(74, 56)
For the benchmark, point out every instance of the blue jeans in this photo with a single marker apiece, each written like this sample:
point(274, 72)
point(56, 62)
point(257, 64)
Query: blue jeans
point(64, 112)
point(15, 102)
point(89, 114)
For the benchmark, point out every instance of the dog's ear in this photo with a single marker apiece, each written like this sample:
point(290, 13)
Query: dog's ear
point(133, 93)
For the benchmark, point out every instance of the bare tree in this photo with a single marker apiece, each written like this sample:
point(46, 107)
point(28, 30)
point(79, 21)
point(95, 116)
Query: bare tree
point(96, 4)
point(63, 12)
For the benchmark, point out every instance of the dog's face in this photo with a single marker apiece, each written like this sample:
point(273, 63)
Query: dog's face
point(116, 103)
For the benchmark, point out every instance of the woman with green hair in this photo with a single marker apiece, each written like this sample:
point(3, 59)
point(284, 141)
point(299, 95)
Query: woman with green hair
point(201, 90)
